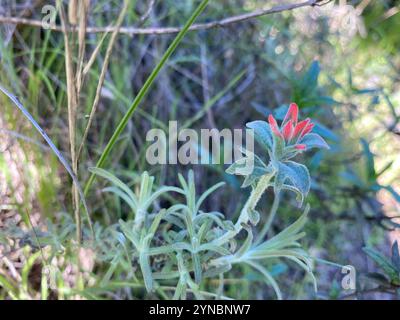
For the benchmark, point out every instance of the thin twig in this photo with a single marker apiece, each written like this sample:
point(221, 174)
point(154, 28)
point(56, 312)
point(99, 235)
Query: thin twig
point(170, 30)
point(146, 15)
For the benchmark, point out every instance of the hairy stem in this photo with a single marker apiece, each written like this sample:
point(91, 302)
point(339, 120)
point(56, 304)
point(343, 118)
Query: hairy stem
point(251, 204)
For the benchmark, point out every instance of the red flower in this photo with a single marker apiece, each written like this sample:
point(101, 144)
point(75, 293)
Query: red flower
point(291, 130)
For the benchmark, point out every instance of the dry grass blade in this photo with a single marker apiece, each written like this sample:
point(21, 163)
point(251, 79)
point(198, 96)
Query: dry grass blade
point(72, 112)
point(73, 12)
point(103, 74)
point(93, 57)
point(83, 12)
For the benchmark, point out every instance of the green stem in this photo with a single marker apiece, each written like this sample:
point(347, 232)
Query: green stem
point(143, 91)
point(267, 225)
point(251, 204)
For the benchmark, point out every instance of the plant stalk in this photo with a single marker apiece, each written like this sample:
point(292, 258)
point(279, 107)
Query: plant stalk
point(251, 204)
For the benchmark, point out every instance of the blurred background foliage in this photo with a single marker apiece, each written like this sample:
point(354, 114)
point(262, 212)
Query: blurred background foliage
point(340, 62)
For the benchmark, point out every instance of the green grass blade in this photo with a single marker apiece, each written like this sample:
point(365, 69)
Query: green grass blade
point(143, 91)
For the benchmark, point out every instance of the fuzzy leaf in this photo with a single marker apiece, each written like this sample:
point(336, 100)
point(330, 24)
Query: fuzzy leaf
point(262, 133)
point(240, 167)
point(294, 174)
point(313, 140)
point(256, 174)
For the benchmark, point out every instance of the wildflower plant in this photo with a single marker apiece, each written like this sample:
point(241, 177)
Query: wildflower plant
point(186, 245)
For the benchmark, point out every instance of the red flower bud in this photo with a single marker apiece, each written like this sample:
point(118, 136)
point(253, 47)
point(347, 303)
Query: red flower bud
point(274, 126)
point(307, 129)
point(299, 128)
point(292, 114)
point(287, 130)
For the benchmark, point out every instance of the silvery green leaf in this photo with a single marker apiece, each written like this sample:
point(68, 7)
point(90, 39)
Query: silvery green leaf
point(129, 233)
point(166, 275)
point(209, 215)
point(117, 182)
point(118, 192)
point(262, 133)
point(252, 178)
point(305, 263)
point(288, 235)
point(180, 292)
point(144, 262)
point(173, 220)
point(156, 221)
point(211, 247)
point(248, 181)
point(160, 250)
point(151, 197)
point(313, 140)
point(121, 238)
point(198, 274)
point(195, 289)
point(205, 227)
point(207, 193)
point(212, 272)
point(182, 246)
point(240, 167)
point(294, 174)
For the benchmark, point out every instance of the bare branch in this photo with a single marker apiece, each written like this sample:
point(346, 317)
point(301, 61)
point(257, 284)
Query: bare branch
point(170, 30)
